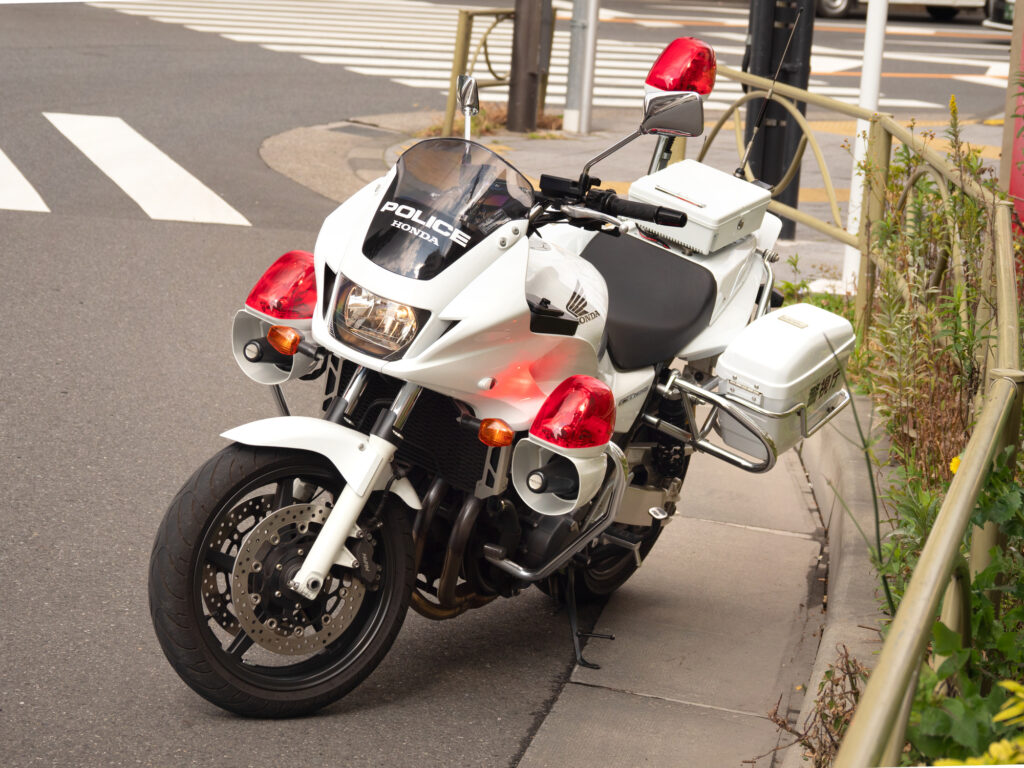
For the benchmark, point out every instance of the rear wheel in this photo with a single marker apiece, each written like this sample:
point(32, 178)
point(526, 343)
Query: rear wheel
point(232, 629)
point(609, 567)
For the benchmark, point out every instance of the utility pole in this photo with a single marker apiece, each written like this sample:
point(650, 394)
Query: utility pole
point(524, 80)
point(582, 61)
point(1011, 172)
point(775, 144)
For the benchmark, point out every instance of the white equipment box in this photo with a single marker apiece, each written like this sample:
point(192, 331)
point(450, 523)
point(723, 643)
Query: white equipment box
point(783, 372)
point(720, 209)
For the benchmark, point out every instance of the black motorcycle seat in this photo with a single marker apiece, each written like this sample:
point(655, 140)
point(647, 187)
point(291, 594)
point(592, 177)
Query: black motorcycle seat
point(657, 301)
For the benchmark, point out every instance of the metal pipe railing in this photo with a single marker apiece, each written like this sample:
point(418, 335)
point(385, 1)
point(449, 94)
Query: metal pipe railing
point(878, 727)
point(911, 627)
point(998, 425)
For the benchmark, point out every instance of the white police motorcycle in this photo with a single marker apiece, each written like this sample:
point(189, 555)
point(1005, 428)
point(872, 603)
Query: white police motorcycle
point(515, 381)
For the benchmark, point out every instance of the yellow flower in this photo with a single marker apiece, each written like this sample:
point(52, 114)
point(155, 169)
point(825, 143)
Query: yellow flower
point(954, 464)
point(1002, 751)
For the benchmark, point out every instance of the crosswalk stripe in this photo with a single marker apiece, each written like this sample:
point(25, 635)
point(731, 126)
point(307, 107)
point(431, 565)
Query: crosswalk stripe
point(161, 187)
point(410, 42)
point(16, 193)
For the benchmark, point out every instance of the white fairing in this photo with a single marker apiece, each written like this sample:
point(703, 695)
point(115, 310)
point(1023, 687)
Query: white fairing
point(357, 457)
point(479, 325)
point(478, 330)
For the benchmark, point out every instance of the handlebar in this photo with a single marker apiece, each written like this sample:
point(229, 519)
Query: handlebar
point(608, 202)
point(566, 194)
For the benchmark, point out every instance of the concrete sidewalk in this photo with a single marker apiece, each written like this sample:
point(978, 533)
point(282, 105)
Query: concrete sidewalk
point(718, 627)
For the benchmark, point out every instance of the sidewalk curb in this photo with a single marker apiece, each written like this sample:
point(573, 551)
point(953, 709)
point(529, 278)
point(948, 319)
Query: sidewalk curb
point(838, 475)
point(337, 159)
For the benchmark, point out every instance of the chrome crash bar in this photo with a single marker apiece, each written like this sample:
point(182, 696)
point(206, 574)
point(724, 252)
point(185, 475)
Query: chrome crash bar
point(602, 514)
point(735, 408)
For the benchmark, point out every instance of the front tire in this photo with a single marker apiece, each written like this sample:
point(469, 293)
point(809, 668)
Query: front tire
point(267, 505)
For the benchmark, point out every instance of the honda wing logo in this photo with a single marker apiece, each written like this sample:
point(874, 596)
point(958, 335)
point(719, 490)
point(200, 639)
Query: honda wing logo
point(577, 305)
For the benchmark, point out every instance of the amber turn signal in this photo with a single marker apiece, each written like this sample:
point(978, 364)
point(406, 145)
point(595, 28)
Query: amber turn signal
point(496, 433)
point(284, 339)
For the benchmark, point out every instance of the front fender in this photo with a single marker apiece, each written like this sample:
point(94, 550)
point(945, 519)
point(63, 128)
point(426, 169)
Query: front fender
point(360, 459)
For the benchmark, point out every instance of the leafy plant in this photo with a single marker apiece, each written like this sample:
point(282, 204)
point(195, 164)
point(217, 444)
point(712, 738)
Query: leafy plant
point(924, 363)
point(490, 120)
point(1006, 751)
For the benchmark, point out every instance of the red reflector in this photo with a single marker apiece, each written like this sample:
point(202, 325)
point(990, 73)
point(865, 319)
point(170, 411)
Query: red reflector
point(686, 64)
point(287, 289)
point(580, 413)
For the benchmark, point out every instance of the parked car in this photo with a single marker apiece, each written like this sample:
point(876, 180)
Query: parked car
point(940, 10)
point(999, 14)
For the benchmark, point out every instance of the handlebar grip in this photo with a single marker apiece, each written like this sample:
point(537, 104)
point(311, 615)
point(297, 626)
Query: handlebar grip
point(657, 214)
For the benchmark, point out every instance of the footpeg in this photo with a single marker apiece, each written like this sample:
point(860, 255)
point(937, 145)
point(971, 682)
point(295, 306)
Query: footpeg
point(626, 540)
point(658, 513)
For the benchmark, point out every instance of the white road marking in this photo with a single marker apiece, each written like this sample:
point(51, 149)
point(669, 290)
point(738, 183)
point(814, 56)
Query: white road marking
point(993, 82)
point(161, 187)
point(410, 42)
point(16, 193)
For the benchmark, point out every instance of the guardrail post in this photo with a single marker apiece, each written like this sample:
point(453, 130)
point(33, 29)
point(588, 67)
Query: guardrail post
point(956, 607)
point(463, 33)
point(984, 539)
point(873, 206)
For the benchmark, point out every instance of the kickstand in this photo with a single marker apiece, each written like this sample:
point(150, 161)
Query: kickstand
point(574, 626)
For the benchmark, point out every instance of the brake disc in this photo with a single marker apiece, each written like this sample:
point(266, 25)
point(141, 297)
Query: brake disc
point(226, 538)
point(274, 616)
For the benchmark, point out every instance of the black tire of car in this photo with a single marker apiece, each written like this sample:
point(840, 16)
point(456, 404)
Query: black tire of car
point(942, 12)
point(176, 605)
point(835, 9)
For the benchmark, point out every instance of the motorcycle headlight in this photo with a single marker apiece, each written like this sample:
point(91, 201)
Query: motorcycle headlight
point(373, 324)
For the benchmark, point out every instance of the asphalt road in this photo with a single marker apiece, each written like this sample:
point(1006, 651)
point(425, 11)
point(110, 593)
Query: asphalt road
point(119, 379)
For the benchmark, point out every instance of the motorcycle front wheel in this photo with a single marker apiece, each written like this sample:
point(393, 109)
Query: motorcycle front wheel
point(223, 613)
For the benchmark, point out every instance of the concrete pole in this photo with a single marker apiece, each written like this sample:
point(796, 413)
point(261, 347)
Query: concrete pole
point(582, 60)
point(524, 79)
point(1011, 175)
point(870, 86)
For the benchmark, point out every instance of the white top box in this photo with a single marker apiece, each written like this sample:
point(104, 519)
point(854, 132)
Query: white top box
point(720, 208)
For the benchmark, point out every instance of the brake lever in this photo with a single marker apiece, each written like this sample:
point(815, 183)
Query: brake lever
point(580, 212)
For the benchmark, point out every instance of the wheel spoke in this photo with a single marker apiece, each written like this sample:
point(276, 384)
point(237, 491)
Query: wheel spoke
point(221, 561)
point(239, 645)
point(283, 495)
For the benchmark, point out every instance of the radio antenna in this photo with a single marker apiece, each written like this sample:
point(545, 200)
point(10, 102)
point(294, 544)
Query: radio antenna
point(764, 104)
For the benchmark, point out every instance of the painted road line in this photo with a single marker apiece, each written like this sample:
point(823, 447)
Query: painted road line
point(16, 194)
point(161, 187)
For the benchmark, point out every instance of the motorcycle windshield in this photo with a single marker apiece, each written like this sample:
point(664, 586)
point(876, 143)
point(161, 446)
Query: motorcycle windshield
point(447, 196)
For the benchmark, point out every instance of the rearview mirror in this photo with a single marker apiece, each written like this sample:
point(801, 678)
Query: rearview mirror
point(673, 113)
point(468, 94)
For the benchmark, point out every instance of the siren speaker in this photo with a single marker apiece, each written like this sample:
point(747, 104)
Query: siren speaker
point(531, 454)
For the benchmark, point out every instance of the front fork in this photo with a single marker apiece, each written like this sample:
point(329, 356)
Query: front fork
point(329, 548)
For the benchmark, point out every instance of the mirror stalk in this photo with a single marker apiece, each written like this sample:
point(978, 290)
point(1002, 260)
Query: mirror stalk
point(469, 100)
